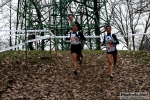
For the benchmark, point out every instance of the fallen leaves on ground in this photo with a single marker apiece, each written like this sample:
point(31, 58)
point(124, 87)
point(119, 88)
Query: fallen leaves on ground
point(43, 76)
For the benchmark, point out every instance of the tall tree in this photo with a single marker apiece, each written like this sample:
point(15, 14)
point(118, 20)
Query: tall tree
point(126, 18)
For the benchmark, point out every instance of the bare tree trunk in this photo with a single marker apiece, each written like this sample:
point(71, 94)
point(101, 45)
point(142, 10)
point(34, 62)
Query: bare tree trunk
point(96, 20)
point(10, 41)
point(145, 30)
point(39, 22)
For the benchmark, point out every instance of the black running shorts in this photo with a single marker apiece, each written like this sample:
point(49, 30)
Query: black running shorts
point(76, 48)
point(113, 52)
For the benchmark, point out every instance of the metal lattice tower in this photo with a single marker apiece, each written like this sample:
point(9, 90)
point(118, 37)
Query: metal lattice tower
point(52, 15)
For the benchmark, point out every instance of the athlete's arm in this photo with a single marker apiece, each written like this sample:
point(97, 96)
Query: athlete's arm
point(115, 38)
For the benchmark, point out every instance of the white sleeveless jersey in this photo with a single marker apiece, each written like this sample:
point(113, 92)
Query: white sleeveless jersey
point(74, 39)
point(110, 47)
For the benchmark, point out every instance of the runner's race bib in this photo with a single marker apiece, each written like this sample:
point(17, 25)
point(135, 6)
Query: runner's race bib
point(74, 39)
point(109, 44)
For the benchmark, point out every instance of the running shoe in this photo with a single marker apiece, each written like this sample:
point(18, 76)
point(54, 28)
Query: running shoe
point(75, 72)
point(111, 77)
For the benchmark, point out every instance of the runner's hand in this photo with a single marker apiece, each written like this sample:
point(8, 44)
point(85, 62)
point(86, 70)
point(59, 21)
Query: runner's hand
point(101, 44)
point(71, 31)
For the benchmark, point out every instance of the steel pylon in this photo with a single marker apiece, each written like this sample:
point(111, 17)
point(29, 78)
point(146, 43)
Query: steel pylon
point(52, 15)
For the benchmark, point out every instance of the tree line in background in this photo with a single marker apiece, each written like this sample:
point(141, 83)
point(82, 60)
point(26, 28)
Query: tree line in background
point(132, 16)
point(126, 16)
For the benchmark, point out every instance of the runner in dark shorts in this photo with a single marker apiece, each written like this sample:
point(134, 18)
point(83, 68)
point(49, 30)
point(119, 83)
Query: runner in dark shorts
point(110, 40)
point(75, 39)
point(71, 23)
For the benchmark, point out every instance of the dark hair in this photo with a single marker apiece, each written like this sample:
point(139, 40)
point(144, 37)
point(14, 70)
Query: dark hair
point(70, 15)
point(75, 25)
point(107, 26)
